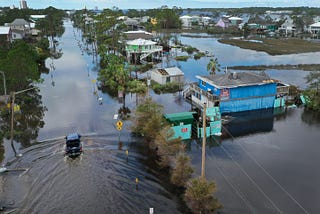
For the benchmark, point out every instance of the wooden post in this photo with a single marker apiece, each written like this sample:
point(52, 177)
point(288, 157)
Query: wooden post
point(204, 141)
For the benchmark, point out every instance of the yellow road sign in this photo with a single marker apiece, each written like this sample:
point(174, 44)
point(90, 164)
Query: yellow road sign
point(119, 123)
point(119, 128)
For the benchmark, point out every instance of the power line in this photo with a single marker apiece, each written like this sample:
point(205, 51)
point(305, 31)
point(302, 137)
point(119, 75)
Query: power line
point(267, 173)
point(237, 190)
point(251, 179)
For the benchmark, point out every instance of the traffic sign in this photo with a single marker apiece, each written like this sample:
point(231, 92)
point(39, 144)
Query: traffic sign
point(119, 123)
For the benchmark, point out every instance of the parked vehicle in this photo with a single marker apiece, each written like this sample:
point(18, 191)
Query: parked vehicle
point(73, 145)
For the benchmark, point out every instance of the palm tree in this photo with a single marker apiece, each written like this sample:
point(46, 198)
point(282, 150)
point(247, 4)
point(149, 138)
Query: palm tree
point(213, 66)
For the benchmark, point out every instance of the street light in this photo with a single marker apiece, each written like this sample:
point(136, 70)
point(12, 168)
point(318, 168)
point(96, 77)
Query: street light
point(12, 114)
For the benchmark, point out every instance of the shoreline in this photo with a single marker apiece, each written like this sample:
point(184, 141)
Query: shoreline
point(276, 46)
point(303, 67)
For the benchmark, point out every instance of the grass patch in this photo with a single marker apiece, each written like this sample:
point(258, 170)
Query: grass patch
point(199, 55)
point(182, 58)
point(276, 46)
point(304, 67)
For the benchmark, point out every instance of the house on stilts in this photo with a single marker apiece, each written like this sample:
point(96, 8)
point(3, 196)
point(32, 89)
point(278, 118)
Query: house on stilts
point(237, 92)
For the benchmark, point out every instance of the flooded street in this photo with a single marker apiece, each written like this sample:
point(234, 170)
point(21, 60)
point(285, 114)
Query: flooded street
point(265, 162)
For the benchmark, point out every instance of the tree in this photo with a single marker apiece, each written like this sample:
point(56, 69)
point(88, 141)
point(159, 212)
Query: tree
point(182, 171)
point(20, 65)
point(167, 147)
point(213, 66)
point(148, 120)
point(199, 196)
point(52, 25)
point(313, 91)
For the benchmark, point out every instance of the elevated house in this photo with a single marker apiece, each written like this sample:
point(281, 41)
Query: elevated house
point(288, 27)
point(139, 46)
point(237, 92)
point(186, 21)
point(224, 22)
point(20, 28)
point(314, 29)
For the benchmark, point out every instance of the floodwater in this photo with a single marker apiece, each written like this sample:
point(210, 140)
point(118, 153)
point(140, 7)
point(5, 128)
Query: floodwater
point(265, 162)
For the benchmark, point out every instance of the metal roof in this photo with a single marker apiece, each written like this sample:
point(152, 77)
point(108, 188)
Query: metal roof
point(141, 42)
point(173, 71)
point(18, 22)
point(236, 79)
point(4, 30)
point(179, 116)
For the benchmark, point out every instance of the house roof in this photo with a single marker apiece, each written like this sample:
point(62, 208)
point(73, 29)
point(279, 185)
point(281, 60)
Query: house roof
point(37, 16)
point(18, 22)
point(235, 18)
point(4, 30)
point(236, 79)
point(317, 24)
point(185, 17)
point(141, 42)
point(173, 71)
point(131, 22)
point(132, 35)
point(180, 116)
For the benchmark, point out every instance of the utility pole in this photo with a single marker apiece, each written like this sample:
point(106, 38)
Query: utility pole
point(203, 164)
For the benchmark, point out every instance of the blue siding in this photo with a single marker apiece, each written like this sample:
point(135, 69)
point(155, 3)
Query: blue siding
point(246, 104)
point(255, 90)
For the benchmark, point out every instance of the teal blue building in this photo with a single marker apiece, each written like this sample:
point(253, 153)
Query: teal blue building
point(236, 92)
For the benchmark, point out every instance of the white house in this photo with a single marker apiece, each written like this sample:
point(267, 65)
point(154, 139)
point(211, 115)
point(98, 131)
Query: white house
point(141, 49)
point(167, 75)
point(288, 27)
point(205, 20)
point(5, 35)
point(186, 21)
point(315, 28)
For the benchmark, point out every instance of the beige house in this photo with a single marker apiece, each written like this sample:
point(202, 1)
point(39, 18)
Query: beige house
point(167, 75)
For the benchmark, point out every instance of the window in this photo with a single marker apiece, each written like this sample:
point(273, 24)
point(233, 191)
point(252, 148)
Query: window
point(203, 83)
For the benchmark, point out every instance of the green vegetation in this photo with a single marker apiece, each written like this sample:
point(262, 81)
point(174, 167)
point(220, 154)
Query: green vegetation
point(199, 196)
point(313, 91)
point(182, 58)
point(276, 46)
point(305, 67)
point(170, 87)
point(148, 122)
point(213, 66)
point(189, 49)
point(199, 55)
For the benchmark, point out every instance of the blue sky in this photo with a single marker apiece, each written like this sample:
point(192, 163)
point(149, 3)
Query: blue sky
point(147, 4)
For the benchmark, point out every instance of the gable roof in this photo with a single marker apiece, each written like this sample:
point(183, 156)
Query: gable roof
point(138, 34)
point(236, 79)
point(19, 22)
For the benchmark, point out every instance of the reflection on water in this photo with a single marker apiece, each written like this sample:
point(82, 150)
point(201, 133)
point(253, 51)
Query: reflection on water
point(251, 122)
point(28, 120)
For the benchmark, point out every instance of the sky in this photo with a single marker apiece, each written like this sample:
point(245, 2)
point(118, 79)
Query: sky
point(149, 4)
